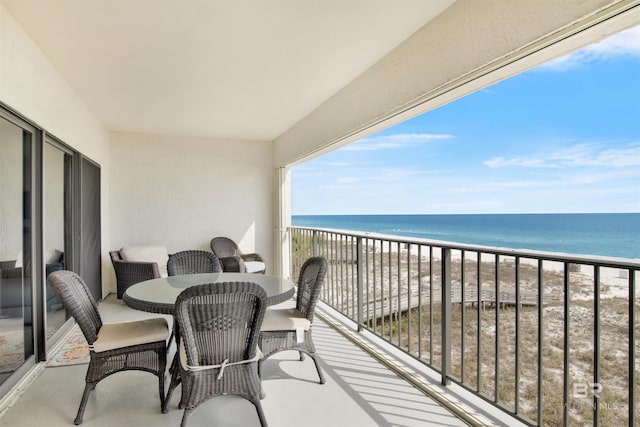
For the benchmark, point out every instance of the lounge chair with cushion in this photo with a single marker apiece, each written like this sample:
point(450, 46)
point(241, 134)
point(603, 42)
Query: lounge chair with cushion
point(233, 260)
point(133, 264)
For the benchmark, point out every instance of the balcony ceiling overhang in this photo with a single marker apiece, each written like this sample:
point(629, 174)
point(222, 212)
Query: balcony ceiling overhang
point(222, 69)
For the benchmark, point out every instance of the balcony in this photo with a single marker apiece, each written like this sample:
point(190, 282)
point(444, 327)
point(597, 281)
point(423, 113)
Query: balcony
point(194, 129)
point(397, 316)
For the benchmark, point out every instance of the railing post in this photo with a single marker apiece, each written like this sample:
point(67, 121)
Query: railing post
point(359, 275)
point(446, 315)
point(314, 243)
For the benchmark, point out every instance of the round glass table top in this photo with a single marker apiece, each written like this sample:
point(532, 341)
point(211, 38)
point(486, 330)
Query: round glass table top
point(159, 295)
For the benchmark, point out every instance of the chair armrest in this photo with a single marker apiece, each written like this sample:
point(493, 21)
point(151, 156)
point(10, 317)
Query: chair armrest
point(252, 257)
point(233, 264)
point(131, 272)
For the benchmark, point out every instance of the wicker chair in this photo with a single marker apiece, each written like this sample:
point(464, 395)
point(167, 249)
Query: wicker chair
point(290, 329)
point(217, 337)
point(233, 260)
point(131, 272)
point(138, 345)
point(191, 262)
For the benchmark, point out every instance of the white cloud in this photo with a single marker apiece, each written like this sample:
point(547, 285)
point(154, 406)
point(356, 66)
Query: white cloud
point(525, 162)
point(352, 179)
point(579, 155)
point(384, 175)
point(625, 43)
point(338, 164)
point(401, 140)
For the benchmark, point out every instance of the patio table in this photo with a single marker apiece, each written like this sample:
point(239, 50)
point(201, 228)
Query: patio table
point(159, 295)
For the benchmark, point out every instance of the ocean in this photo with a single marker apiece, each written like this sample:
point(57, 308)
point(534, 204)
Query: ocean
point(613, 234)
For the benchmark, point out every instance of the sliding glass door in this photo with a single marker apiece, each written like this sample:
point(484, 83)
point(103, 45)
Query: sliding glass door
point(16, 284)
point(49, 221)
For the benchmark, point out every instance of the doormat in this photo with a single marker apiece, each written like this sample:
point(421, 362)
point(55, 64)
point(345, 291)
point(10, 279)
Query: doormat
point(74, 351)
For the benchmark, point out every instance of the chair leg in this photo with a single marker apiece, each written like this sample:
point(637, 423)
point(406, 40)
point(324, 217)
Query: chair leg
point(162, 367)
point(258, 405)
point(161, 389)
point(83, 403)
point(320, 374)
point(187, 414)
point(175, 380)
point(301, 356)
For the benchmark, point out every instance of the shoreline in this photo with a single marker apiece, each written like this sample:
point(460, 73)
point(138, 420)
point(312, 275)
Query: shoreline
point(600, 234)
point(614, 281)
point(485, 249)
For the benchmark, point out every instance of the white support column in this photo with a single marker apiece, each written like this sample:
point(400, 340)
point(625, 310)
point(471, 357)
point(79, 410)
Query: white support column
point(282, 220)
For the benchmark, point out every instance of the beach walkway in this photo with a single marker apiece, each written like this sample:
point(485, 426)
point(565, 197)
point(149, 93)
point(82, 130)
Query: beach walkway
point(405, 301)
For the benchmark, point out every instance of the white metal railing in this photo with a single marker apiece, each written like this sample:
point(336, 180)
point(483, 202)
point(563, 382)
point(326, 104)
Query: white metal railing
point(549, 338)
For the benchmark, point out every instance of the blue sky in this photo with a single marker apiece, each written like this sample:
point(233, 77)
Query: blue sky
point(563, 137)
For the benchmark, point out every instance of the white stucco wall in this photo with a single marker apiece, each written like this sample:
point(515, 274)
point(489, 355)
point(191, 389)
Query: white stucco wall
point(466, 38)
point(32, 86)
point(181, 192)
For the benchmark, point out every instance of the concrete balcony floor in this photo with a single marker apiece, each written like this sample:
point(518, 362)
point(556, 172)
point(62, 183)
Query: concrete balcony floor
point(359, 392)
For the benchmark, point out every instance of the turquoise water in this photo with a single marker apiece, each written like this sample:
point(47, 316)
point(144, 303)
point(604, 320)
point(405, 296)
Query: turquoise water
point(615, 235)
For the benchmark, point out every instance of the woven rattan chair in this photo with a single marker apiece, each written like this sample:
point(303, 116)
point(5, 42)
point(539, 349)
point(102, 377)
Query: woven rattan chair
point(217, 336)
point(192, 262)
point(131, 272)
point(290, 328)
point(233, 260)
point(114, 347)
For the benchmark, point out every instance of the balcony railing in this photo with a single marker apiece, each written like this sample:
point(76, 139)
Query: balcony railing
point(549, 338)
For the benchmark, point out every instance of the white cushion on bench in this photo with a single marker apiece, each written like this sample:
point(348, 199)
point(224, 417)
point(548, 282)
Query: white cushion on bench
point(254, 266)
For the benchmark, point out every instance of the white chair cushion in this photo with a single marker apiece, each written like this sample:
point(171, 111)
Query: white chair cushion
point(125, 334)
point(284, 319)
point(254, 266)
point(157, 254)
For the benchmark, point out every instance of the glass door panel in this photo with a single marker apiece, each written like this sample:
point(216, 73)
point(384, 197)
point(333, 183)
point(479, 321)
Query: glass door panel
point(57, 175)
point(16, 329)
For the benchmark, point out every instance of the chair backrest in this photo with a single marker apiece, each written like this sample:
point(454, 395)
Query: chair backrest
point(309, 284)
point(220, 321)
point(115, 256)
point(77, 298)
point(224, 247)
point(192, 262)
